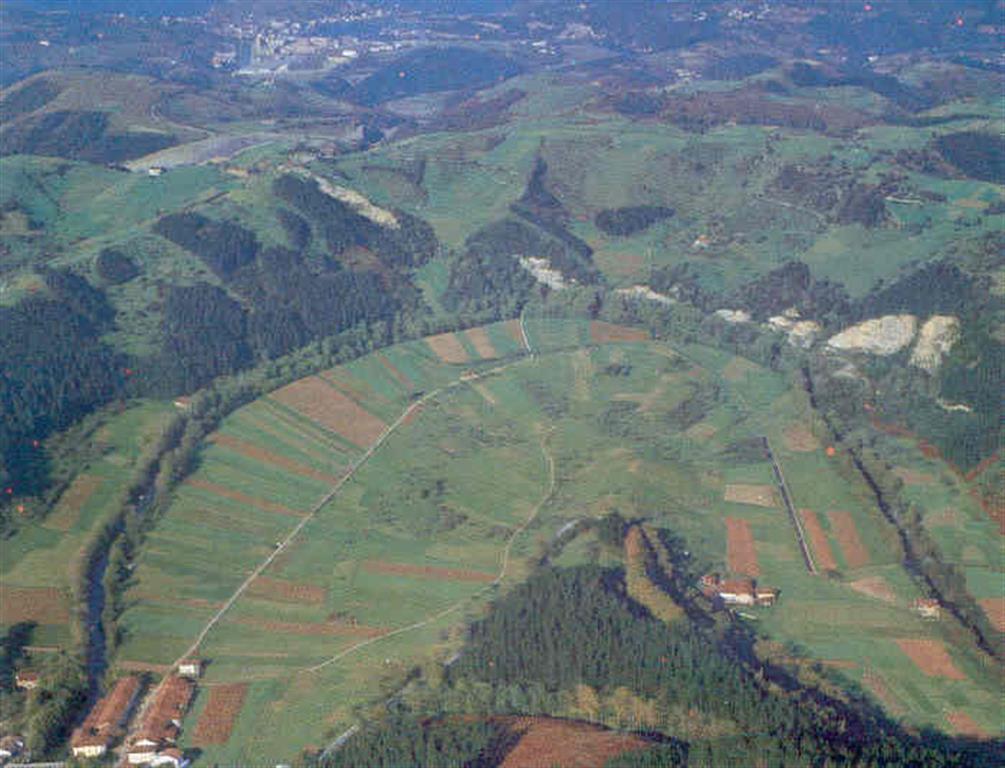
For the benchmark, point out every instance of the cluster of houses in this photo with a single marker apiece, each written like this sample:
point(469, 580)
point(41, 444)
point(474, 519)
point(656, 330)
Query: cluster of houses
point(156, 740)
point(738, 591)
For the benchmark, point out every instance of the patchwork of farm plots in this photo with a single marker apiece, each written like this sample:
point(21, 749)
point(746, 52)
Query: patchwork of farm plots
point(483, 454)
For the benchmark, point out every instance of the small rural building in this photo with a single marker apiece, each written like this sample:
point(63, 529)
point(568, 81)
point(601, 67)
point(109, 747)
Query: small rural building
point(105, 721)
point(927, 608)
point(190, 668)
point(738, 591)
point(172, 757)
point(26, 679)
point(155, 171)
point(10, 746)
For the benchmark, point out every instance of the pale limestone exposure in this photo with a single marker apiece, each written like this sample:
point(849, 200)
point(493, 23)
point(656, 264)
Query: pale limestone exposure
point(357, 202)
point(733, 315)
point(885, 335)
point(644, 292)
point(936, 337)
point(543, 272)
point(801, 333)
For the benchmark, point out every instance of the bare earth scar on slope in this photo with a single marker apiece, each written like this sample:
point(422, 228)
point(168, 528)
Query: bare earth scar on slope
point(71, 502)
point(741, 555)
point(328, 407)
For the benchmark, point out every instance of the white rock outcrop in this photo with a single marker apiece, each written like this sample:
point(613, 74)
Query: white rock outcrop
point(356, 201)
point(883, 336)
point(800, 333)
point(733, 315)
point(644, 292)
point(543, 272)
point(935, 339)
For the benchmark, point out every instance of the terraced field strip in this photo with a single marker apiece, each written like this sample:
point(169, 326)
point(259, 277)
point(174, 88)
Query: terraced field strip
point(304, 445)
point(43, 605)
point(843, 525)
point(400, 377)
point(931, 657)
point(71, 502)
point(323, 404)
point(480, 340)
point(741, 553)
point(218, 718)
point(606, 333)
point(428, 572)
point(257, 453)
point(448, 348)
point(243, 498)
point(783, 488)
point(964, 725)
point(994, 607)
point(311, 629)
point(283, 590)
point(818, 536)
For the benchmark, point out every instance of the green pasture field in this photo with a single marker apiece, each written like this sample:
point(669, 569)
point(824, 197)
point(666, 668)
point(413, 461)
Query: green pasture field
point(413, 542)
point(44, 553)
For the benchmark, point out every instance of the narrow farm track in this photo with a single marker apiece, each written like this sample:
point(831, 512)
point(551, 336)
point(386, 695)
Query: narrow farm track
point(783, 489)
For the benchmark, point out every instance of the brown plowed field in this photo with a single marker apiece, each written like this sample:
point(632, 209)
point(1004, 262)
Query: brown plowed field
point(741, 554)
point(252, 451)
point(44, 605)
point(448, 348)
point(931, 657)
point(287, 591)
point(549, 742)
point(818, 540)
point(480, 340)
point(965, 725)
point(604, 333)
point(324, 405)
point(427, 571)
point(217, 719)
point(243, 498)
point(316, 629)
point(798, 438)
point(843, 526)
point(392, 369)
point(71, 502)
point(874, 586)
point(758, 495)
point(994, 607)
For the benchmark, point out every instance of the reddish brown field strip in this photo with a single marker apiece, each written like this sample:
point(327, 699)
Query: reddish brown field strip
point(306, 444)
point(513, 327)
point(217, 719)
point(882, 692)
point(605, 333)
point(758, 495)
point(287, 591)
point(400, 377)
point(931, 657)
point(741, 554)
point(324, 405)
point(798, 438)
point(426, 571)
point(312, 629)
point(994, 607)
point(43, 605)
point(71, 502)
point(243, 498)
point(256, 453)
point(843, 526)
point(448, 348)
point(143, 666)
point(818, 540)
point(964, 725)
point(552, 742)
point(874, 586)
point(480, 340)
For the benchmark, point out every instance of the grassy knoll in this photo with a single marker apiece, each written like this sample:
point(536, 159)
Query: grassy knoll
point(387, 572)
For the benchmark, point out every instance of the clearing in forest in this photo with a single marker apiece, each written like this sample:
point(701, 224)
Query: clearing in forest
point(798, 438)
point(71, 502)
point(605, 333)
point(217, 719)
point(480, 340)
point(741, 554)
point(757, 495)
point(427, 571)
point(448, 348)
point(256, 453)
point(243, 498)
point(43, 605)
point(845, 531)
point(818, 540)
point(549, 741)
point(325, 405)
point(287, 591)
point(931, 657)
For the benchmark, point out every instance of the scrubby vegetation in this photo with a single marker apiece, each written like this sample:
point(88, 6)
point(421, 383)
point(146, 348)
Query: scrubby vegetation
point(978, 155)
point(631, 220)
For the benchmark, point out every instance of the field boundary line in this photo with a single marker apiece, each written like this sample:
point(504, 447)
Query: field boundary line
point(455, 606)
point(523, 334)
point(793, 515)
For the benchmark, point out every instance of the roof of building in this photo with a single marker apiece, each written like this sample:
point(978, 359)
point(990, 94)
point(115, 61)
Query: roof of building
point(107, 714)
point(28, 675)
point(171, 702)
point(737, 586)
